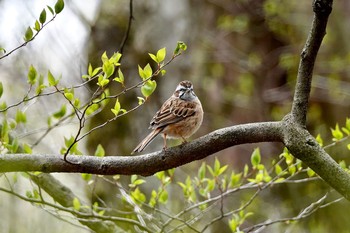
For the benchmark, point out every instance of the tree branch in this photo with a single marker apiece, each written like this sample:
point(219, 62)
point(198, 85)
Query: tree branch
point(304, 147)
point(147, 164)
point(65, 197)
point(322, 9)
point(296, 138)
point(127, 33)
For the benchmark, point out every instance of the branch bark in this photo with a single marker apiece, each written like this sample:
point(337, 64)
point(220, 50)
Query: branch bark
point(146, 164)
point(65, 197)
point(322, 9)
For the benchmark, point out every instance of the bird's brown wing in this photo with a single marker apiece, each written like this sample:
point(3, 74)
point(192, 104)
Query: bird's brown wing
point(171, 112)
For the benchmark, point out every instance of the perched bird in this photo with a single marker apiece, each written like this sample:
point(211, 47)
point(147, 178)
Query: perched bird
point(179, 117)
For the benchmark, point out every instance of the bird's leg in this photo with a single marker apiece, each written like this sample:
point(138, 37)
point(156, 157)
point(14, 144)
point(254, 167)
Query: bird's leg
point(165, 146)
point(184, 140)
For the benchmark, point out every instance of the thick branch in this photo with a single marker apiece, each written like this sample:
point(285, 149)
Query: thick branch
point(322, 9)
point(147, 164)
point(304, 147)
point(65, 197)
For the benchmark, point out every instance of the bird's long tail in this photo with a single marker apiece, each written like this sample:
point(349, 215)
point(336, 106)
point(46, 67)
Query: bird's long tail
point(144, 143)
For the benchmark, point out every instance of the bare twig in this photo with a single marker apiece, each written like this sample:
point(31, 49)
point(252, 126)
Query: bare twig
point(322, 9)
point(128, 29)
point(306, 212)
point(26, 42)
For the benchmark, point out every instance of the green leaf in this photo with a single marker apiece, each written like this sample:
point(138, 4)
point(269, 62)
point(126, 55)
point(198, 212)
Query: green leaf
point(154, 57)
point(233, 224)
point(29, 194)
point(90, 70)
point(69, 95)
point(50, 9)
point(39, 89)
point(74, 149)
point(37, 26)
point(21, 117)
point(310, 172)
point(161, 55)
point(245, 170)
point(100, 151)
point(160, 175)
point(347, 123)
point(146, 72)
point(76, 204)
point(27, 149)
point(292, 169)
point(60, 113)
point(137, 182)
point(288, 156)
point(148, 88)
point(102, 81)
point(120, 77)
point(141, 100)
point(108, 68)
point(202, 171)
point(336, 133)
point(86, 176)
point(29, 34)
point(116, 108)
point(5, 132)
point(32, 75)
point(171, 172)
point(163, 197)
point(211, 171)
point(104, 57)
point(181, 46)
point(138, 196)
point(14, 145)
point(51, 78)
point(222, 170)
point(1, 89)
point(235, 179)
point(141, 73)
point(91, 109)
point(59, 6)
point(76, 103)
point(218, 170)
point(153, 201)
point(256, 157)
point(133, 178)
point(278, 169)
point(319, 140)
point(41, 79)
point(346, 129)
point(95, 71)
point(216, 165)
point(42, 17)
point(210, 185)
point(342, 164)
point(115, 58)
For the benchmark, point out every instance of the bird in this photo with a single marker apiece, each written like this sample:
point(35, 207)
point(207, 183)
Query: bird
point(180, 116)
